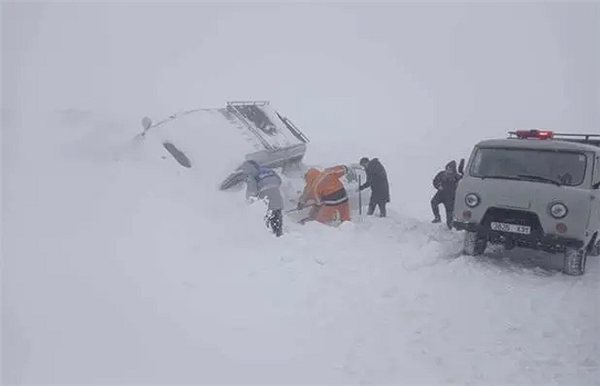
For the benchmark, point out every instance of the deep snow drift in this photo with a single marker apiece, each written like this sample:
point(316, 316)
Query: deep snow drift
point(121, 267)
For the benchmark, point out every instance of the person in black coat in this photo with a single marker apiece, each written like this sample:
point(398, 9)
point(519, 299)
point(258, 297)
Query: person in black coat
point(378, 182)
point(445, 182)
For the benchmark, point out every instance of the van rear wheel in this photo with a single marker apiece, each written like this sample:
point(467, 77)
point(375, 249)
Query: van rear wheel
point(474, 244)
point(574, 261)
point(595, 250)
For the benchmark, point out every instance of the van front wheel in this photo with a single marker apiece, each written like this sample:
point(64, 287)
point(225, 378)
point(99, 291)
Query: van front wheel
point(574, 261)
point(595, 250)
point(474, 244)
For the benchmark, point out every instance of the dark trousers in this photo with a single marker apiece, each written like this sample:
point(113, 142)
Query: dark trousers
point(274, 220)
point(448, 201)
point(372, 205)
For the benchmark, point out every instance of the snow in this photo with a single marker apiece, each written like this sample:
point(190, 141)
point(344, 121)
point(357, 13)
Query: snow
point(214, 145)
point(121, 267)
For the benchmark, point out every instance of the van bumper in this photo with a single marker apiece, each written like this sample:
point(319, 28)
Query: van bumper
point(546, 242)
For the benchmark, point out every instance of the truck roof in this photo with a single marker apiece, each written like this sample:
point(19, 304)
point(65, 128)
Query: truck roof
point(540, 144)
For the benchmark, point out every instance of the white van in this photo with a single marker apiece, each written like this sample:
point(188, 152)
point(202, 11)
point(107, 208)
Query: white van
point(535, 189)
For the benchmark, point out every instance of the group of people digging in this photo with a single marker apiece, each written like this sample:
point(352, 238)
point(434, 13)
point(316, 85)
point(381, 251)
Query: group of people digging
point(328, 198)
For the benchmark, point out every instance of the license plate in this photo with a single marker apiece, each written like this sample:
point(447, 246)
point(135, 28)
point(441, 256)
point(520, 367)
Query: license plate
point(512, 228)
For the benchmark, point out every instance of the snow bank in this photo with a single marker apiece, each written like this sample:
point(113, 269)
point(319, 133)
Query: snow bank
point(120, 266)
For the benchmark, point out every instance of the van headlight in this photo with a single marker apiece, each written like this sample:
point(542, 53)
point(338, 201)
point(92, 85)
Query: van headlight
point(558, 210)
point(472, 200)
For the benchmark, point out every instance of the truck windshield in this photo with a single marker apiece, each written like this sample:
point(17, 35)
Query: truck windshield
point(545, 166)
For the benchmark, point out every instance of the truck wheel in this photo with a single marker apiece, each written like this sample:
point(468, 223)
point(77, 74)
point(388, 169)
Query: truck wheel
point(474, 244)
point(574, 262)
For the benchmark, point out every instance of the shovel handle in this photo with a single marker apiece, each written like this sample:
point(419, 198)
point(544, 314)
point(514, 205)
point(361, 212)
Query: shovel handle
point(359, 198)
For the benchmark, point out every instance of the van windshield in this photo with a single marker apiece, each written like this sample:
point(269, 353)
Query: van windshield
point(546, 166)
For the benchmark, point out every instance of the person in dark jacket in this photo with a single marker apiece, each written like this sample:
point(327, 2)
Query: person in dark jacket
point(445, 182)
point(378, 182)
point(264, 183)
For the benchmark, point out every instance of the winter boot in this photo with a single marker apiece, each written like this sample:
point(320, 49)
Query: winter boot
point(277, 222)
point(449, 218)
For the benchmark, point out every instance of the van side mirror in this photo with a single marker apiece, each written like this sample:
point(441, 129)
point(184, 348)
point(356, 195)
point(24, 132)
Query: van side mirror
point(461, 166)
point(596, 186)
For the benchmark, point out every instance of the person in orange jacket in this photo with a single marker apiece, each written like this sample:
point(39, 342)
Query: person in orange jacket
point(327, 192)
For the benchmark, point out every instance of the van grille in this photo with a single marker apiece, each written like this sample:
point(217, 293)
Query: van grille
point(519, 217)
point(513, 216)
point(536, 240)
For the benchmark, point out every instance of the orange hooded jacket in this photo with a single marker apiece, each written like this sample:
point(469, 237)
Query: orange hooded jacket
point(328, 193)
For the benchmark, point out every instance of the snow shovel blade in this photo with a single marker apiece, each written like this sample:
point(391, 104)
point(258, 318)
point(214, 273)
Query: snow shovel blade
point(304, 220)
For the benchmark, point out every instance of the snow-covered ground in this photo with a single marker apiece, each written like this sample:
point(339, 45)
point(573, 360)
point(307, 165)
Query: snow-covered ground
point(121, 267)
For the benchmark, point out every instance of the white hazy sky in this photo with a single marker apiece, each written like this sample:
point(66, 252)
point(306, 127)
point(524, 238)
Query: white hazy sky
point(379, 73)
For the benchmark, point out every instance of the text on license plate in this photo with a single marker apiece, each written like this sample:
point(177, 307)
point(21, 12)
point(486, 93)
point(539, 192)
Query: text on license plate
point(504, 227)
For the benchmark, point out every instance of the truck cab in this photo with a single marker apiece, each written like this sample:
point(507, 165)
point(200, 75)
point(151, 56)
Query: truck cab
point(534, 189)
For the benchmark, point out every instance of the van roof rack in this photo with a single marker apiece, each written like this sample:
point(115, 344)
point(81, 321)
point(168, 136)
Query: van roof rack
point(247, 103)
point(591, 139)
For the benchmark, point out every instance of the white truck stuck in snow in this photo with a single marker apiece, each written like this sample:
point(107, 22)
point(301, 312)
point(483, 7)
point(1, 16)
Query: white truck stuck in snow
point(247, 130)
point(535, 189)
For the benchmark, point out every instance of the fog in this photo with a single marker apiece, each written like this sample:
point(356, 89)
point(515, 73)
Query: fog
point(411, 83)
point(129, 270)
